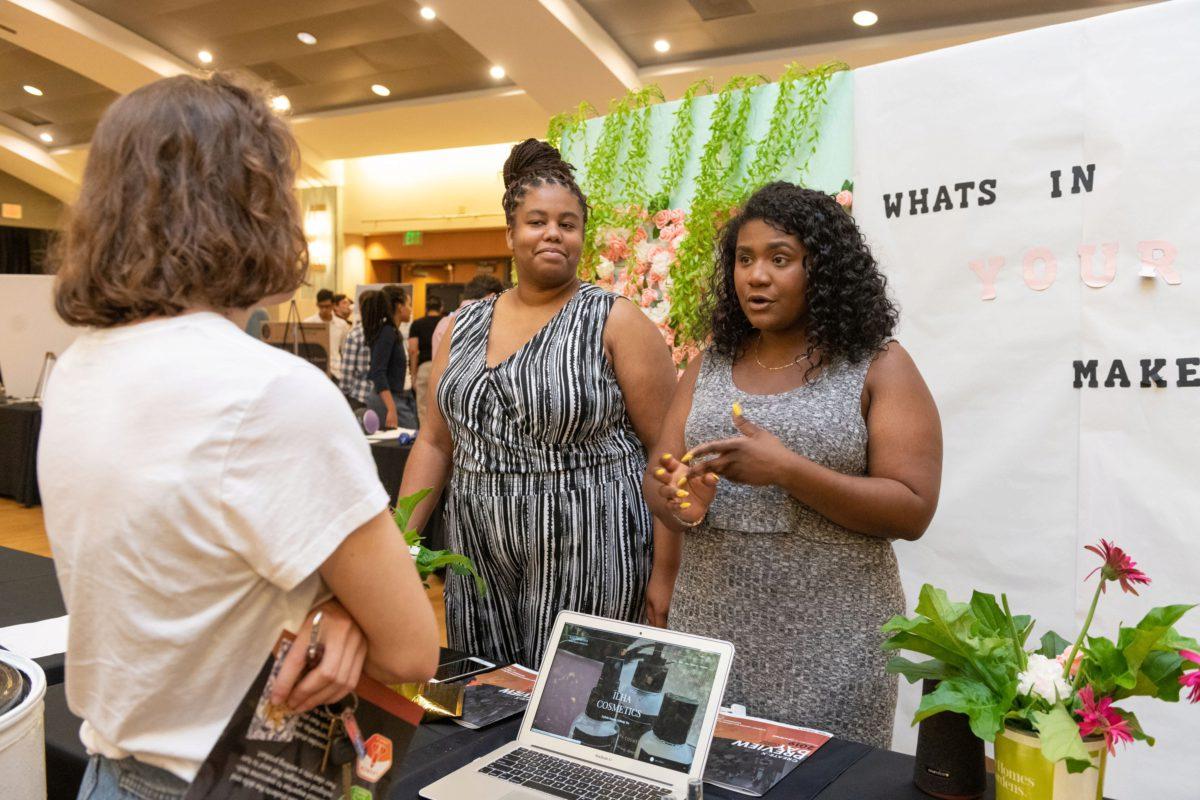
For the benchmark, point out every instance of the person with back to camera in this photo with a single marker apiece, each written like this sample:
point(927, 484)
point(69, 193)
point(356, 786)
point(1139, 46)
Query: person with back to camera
point(203, 491)
point(548, 397)
point(800, 444)
point(420, 349)
point(382, 314)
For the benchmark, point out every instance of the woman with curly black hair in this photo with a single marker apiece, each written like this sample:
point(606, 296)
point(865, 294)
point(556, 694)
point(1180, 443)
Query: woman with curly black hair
point(810, 442)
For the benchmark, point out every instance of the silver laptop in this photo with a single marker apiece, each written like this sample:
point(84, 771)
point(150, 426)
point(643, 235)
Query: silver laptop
point(618, 711)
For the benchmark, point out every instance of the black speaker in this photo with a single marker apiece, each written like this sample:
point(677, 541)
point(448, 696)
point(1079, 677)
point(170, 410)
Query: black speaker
point(950, 762)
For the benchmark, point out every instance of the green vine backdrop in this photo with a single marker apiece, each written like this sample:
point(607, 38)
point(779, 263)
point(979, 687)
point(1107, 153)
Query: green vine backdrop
point(651, 234)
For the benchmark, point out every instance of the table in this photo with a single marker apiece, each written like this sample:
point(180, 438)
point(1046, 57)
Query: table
point(20, 424)
point(840, 770)
point(30, 591)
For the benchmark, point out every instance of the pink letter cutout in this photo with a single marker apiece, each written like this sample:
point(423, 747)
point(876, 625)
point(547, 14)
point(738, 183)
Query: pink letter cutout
point(1158, 256)
point(1039, 283)
point(1086, 267)
point(987, 275)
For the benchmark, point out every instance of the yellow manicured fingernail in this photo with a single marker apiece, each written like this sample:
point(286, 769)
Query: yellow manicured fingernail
point(685, 505)
point(681, 493)
point(683, 481)
point(660, 471)
point(687, 458)
point(666, 456)
point(714, 476)
point(737, 409)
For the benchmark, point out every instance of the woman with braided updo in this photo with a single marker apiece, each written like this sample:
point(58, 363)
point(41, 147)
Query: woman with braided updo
point(544, 401)
point(805, 441)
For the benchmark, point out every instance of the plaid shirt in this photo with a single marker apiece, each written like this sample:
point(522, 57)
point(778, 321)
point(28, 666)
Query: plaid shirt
point(356, 363)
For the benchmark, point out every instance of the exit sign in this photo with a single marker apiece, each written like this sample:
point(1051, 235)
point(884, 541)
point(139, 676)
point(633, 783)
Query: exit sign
point(413, 237)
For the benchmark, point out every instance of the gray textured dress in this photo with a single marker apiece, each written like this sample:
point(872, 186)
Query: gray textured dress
point(801, 597)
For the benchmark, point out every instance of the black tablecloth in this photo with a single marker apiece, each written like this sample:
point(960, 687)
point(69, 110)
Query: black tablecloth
point(431, 759)
point(30, 591)
point(20, 424)
point(390, 458)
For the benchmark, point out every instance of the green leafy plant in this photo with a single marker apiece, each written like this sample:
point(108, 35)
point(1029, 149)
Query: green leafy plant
point(430, 561)
point(1063, 692)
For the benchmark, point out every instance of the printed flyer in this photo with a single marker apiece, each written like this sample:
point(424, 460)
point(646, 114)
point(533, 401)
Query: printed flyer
point(750, 755)
point(267, 754)
point(496, 695)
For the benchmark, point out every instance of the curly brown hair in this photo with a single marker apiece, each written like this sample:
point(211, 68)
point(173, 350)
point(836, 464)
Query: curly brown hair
point(187, 202)
point(850, 314)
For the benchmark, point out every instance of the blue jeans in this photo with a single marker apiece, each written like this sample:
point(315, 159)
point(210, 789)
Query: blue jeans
point(128, 779)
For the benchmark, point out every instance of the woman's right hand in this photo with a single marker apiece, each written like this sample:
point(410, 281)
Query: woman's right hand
point(688, 498)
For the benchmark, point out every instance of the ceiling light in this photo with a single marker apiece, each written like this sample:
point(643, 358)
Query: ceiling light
point(865, 19)
point(280, 102)
point(380, 89)
point(205, 57)
point(306, 37)
point(662, 45)
point(496, 72)
point(428, 13)
point(33, 90)
point(47, 138)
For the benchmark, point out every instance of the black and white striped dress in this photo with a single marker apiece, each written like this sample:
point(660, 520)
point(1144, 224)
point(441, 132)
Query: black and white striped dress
point(546, 489)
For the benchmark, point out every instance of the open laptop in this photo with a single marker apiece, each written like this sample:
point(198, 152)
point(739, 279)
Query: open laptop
point(618, 711)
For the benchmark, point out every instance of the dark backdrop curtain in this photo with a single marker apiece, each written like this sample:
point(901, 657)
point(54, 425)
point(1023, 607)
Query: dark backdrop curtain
point(23, 251)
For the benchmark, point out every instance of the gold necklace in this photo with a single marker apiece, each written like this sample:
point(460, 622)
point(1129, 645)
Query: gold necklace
point(792, 363)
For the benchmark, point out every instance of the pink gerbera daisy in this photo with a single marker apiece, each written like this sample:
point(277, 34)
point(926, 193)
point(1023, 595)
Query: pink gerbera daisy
point(1098, 716)
point(1117, 566)
point(1191, 680)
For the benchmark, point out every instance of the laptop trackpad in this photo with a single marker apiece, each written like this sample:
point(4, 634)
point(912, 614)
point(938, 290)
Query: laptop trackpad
point(522, 795)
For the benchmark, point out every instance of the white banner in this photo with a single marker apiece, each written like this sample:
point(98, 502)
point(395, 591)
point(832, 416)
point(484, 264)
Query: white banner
point(1035, 202)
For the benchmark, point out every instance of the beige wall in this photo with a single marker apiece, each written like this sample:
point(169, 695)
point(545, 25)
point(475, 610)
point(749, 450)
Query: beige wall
point(426, 191)
point(40, 210)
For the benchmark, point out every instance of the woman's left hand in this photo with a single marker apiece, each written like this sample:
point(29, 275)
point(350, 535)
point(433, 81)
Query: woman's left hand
point(756, 458)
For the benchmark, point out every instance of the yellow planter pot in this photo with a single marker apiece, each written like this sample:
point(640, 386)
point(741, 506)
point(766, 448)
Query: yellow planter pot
point(1022, 773)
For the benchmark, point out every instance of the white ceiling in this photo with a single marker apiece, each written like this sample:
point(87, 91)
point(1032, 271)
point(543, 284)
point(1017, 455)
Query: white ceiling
point(555, 53)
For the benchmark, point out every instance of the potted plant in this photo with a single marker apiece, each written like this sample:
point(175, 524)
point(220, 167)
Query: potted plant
point(1048, 709)
point(430, 561)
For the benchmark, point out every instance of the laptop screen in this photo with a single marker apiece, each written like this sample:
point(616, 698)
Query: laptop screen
point(630, 696)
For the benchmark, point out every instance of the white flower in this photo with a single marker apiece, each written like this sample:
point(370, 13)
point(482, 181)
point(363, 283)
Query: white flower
point(658, 313)
point(660, 263)
point(604, 269)
point(642, 251)
point(1043, 677)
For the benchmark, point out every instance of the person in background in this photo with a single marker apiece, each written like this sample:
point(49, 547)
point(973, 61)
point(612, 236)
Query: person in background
point(255, 322)
point(826, 444)
point(338, 328)
point(343, 307)
point(381, 319)
point(481, 287)
point(420, 350)
point(547, 399)
point(203, 491)
point(356, 364)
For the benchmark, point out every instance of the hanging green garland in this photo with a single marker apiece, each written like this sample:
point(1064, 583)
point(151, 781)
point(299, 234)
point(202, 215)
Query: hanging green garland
point(626, 230)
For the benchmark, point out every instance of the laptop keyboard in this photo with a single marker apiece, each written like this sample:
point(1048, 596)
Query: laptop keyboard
point(563, 778)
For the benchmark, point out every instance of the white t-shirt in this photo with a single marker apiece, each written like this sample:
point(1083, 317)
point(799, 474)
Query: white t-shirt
point(193, 480)
point(338, 330)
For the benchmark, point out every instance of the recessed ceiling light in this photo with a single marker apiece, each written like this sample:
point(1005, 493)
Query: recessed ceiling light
point(428, 13)
point(380, 89)
point(662, 45)
point(33, 90)
point(205, 57)
point(306, 37)
point(496, 72)
point(45, 137)
point(280, 102)
point(865, 19)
